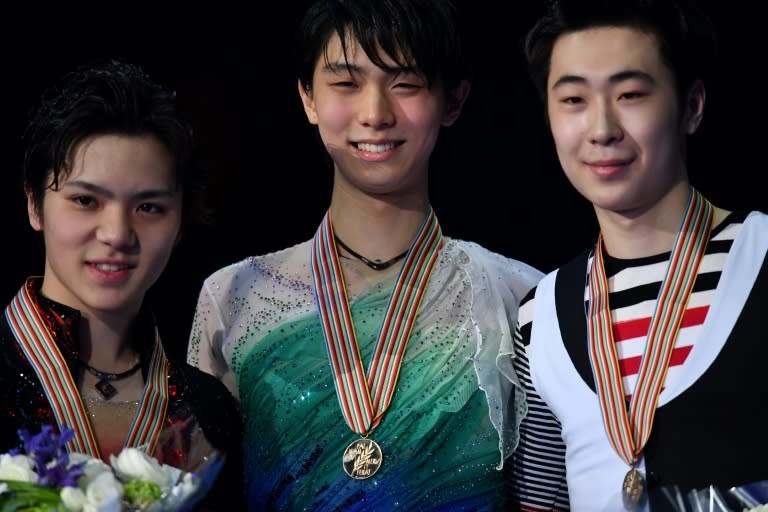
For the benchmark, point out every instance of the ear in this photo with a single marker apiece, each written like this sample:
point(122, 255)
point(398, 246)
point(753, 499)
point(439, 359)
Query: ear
point(34, 217)
point(309, 103)
point(694, 107)
point(456, 100)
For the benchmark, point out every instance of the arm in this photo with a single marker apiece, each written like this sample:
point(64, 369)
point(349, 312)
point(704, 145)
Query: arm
point(206, 339)
point(538, 463)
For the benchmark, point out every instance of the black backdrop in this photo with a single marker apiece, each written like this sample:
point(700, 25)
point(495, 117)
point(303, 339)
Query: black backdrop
point(495, 178)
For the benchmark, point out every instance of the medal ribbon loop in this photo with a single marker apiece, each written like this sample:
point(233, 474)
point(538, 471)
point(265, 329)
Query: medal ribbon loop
point(38, 345)
point(365, 399)
point(628, 432)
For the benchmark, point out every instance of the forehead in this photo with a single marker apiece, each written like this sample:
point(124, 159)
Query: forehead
point(601, 52)
point(355, 54)
point(122, 160)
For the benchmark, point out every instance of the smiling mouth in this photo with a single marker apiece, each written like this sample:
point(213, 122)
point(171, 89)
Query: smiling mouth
point(375, 148)
point(110, 267)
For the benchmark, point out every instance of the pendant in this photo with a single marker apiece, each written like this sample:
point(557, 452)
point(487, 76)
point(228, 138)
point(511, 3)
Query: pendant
point(362, 459)
point(106, 389)
point(633, 489)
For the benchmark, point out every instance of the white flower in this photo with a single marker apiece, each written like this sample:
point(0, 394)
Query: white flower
point(3, 487)
point(73, 498)
point(188, 484)
point(92, 468)
point(134, 464)
point(103, 494)
point(17, 467)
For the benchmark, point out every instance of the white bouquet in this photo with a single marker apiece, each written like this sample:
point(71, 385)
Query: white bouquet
point(751, 497)
point(46, 478)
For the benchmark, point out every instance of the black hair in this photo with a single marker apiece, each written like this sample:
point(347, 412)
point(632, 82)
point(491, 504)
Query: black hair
point(421, 34)
point(109, 98)
point(685, 35)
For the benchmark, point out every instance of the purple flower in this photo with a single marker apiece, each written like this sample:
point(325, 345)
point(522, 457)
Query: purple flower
point(48, 449)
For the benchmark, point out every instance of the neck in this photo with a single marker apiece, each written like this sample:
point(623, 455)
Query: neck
point(377, 229)
point(106, 344)
point(645, 231)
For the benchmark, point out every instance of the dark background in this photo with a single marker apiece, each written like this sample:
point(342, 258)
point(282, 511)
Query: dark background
point(495, 178)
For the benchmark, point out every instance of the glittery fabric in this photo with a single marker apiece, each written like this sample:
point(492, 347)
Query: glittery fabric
point(449, 427)
point(200, 407)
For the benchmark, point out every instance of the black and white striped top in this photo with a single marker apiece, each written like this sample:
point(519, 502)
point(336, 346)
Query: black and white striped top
point(538, 464)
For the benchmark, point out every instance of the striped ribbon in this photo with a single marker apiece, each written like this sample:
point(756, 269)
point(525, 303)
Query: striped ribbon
point(364, 400)
point(629, 431)
point(37, 342)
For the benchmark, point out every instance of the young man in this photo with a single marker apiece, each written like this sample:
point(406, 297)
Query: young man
point(110, 177)
point(365, 358)
point(635, 355)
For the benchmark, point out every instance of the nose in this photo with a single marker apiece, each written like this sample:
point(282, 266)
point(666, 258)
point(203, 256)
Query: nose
point(604, 125)
point(116, 230)
point(376, 108)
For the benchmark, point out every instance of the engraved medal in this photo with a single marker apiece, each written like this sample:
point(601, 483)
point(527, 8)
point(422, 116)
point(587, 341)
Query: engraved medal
point(632, 489)
point(628, 430)
point(365, 396)
point(362, 459)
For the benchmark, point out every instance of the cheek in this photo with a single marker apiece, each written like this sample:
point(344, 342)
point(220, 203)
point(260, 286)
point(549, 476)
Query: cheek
point(333, 115)
point(60, 233)
point(657, 136)
point(567, 134)
point(425, 114)
point(158, 248)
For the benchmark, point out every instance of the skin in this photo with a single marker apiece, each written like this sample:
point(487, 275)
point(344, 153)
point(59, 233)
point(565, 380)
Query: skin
point(380, 128)
point(110, 226)
point(620, 135)
point(109, 229)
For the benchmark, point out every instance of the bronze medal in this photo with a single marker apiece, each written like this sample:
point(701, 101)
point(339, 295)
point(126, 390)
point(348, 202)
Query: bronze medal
point(632, 489)
point(628, 426)
point(362, 459)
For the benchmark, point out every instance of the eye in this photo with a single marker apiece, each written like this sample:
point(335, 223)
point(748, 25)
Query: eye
point(343, 84)
point(572, 100)
point(150, 208)
point(85, 201)
point(631, 95)
point(411, 86)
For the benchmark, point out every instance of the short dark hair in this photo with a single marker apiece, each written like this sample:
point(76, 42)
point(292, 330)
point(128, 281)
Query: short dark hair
point(109, 98)
point(424, 34)
point(686, 37)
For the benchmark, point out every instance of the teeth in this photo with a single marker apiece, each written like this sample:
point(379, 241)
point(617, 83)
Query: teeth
point(109, 267)
point(375, 148)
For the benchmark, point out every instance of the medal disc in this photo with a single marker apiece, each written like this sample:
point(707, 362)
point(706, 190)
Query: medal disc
point(362, 459)
point(632, 489)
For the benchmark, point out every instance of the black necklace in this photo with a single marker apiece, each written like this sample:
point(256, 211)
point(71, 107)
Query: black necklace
point(104, 387)
point(375, 265)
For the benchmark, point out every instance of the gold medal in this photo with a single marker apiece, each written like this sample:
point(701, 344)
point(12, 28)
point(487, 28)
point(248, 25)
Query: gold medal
point(362, 459)
point(364, 397)
point(632, 489)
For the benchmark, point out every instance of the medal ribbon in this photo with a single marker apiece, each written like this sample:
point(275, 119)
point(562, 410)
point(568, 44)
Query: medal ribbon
point(629, 431)
point(364, 400)
point(37, 342)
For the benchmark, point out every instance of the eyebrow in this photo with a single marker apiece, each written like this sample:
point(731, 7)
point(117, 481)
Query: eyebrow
point(99, 190)
point(340, 67)
point(622, 76)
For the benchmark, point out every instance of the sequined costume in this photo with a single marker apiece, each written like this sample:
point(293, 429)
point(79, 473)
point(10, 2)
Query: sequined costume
point(449, 427)
point(196, 399)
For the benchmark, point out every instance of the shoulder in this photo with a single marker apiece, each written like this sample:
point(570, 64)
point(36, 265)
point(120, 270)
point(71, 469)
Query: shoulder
point(202, 385)
point(570, 276)
point(475, 257)
point(213, 404)
point(251, 270)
